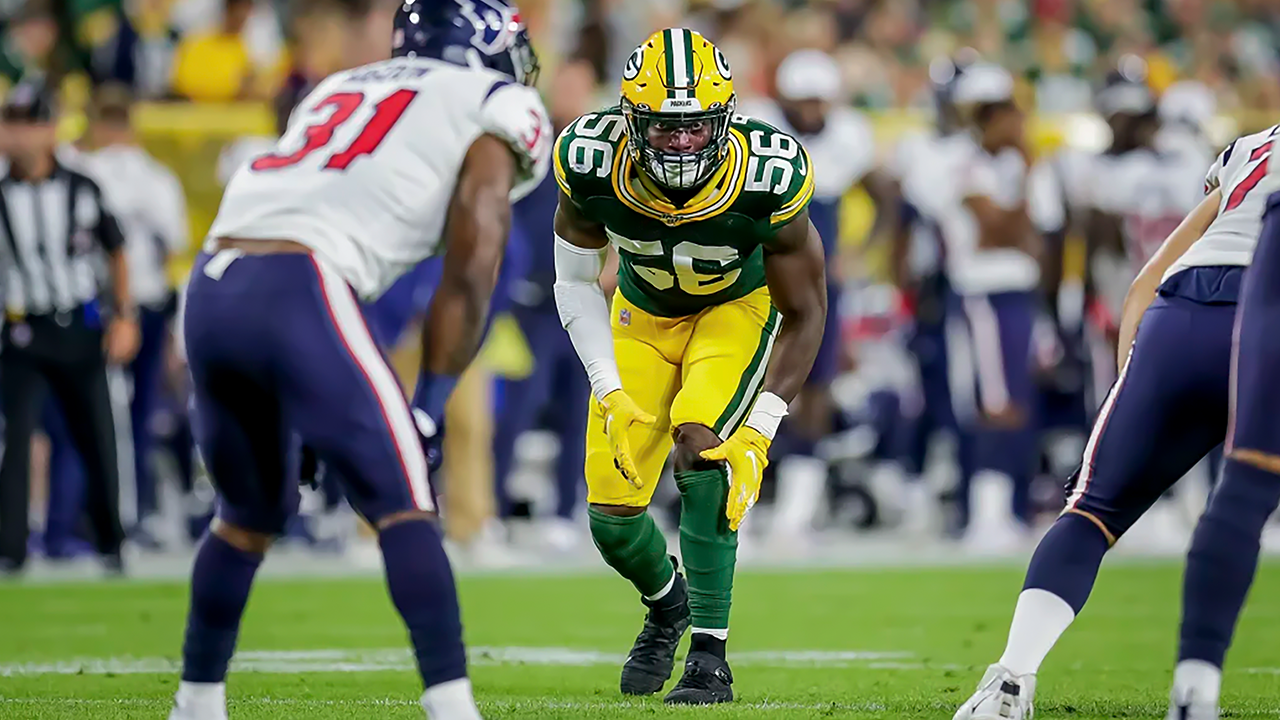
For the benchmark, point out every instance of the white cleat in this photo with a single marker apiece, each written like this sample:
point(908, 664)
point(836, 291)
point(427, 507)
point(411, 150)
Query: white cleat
point(1001, 696)
point(450, 701)
point(199, 701)
point(1189, 709)
point(1196, 685)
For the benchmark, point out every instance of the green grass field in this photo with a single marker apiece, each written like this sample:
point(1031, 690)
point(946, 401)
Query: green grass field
point(899, 644)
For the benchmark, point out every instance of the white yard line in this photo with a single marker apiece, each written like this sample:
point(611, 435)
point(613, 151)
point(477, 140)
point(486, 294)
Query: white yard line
point(507, 705)
point(294, 662)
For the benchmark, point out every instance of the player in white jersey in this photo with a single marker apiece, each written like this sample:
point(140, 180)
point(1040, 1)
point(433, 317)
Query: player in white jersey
point(1223, 559)
point(1166, 411)
point(990, 256)
point(919, 272)
point(381, 167)
point(1139, 192)
point(839, 139)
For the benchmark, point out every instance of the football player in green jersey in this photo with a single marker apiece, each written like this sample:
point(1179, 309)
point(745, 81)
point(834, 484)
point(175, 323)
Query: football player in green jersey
point(717, 319)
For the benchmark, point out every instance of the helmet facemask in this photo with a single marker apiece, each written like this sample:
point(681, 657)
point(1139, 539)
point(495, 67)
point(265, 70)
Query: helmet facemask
point(678, 150)
point(524, 60)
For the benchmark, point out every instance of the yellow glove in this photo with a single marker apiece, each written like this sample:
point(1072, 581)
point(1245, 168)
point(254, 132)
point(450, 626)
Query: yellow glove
point(746, 453)
point(620, 413)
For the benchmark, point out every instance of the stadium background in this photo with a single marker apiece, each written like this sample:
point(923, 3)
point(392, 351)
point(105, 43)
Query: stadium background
point(192, 109)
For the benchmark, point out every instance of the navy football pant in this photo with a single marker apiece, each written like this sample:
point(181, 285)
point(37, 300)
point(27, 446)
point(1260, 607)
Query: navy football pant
point(989, 341)
point(277, 345)
point(1166, 410)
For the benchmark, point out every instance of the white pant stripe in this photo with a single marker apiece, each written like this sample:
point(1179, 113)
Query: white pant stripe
point(988, 354)
point(1095, 435)
point(386, 389)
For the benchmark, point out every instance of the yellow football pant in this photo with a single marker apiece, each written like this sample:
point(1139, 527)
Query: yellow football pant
point(706, 369)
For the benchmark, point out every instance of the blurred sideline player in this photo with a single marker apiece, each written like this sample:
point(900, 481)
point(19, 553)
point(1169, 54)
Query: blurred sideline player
point(1059, 201)
point(557, 387)
point(718, 316)
point(371, 177)
point(152, 208)
point(152, 212)
point(920, 273)
point(1185, 110)
point(809, 91)
point(1167, 410)
point(1223, 558)
point(1140, 195)
point(991, 260)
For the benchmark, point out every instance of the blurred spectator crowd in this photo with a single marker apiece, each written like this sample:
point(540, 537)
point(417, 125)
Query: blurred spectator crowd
point(225, 50)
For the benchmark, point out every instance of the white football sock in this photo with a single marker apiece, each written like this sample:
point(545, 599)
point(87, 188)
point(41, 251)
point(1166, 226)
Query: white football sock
point(663, 592)
point(719, 634)
point(1039, 620)
point(450, 701)
point(1198, 680)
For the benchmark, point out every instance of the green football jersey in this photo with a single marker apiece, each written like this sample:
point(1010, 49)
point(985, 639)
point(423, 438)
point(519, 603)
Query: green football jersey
point(678, 260)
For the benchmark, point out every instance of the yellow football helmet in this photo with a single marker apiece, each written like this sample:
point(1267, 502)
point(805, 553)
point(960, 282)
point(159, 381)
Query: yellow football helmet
point(678, 101)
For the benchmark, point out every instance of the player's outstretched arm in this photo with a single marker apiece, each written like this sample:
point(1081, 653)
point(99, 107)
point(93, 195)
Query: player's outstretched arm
point(1143, 290)
point(475, 235)
point(581, 253)
point(795, 269)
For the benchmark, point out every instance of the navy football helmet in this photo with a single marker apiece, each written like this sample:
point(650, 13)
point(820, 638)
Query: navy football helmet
point(471, 33)
point(944, 71)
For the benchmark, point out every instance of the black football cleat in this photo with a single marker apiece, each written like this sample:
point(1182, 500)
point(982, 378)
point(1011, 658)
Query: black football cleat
point(649, 664)
point(707, 680)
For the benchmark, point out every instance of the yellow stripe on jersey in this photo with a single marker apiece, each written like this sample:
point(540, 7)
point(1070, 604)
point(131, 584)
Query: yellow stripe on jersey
point(801, 201)
point(638, 193)
point(562, 178)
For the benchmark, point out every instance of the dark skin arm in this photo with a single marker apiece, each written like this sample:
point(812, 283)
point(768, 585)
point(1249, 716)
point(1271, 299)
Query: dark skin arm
point(885, 196)
point(576, 229)
point(1000, 228)
point(795, 270)
point(475, 235)
point(1102, 231)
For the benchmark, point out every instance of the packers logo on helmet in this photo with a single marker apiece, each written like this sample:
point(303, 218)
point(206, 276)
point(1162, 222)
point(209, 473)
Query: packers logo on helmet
point(678, 101)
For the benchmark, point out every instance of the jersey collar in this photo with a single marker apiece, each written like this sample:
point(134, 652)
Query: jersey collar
point(642, 195)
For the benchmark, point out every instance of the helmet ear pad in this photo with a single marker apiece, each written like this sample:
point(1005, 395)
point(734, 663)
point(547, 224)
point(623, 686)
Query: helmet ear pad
point(678, 170)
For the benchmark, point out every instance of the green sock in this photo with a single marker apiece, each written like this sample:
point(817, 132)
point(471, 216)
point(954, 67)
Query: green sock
point(635, 548)
point(708, 547)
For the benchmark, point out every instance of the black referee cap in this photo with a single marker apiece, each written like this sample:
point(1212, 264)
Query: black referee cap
point(29, 101)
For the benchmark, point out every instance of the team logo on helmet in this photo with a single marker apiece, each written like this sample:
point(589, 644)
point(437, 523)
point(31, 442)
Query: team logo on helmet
point(496, 24)
point(722, 65)
point(632, 69)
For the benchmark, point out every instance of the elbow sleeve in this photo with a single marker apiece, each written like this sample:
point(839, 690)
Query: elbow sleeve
point(585, 314)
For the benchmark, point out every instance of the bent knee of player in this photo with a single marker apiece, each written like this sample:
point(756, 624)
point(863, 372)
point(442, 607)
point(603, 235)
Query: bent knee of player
point(393, 519)
point(691, 440)
point(1257, 458)
point(243, 539)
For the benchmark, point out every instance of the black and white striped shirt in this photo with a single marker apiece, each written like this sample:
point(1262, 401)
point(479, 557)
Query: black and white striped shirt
point(55, 234)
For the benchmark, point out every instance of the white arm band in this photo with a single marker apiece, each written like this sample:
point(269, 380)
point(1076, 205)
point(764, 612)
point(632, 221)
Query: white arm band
point(585, 314)
point(766, 414)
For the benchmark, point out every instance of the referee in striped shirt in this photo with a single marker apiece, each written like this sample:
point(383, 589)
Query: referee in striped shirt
point(68, 313)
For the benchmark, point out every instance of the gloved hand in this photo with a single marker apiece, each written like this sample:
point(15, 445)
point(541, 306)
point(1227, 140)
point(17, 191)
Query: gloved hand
point(620, 413)
point(746, 453)
point(431, 433)
point(429, 398)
